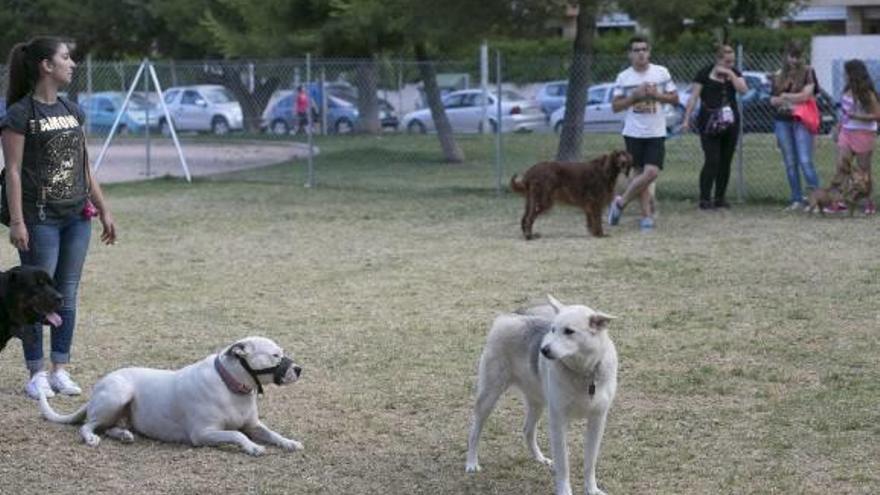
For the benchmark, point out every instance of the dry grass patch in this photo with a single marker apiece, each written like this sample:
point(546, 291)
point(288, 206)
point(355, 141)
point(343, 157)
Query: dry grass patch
point(747, 342)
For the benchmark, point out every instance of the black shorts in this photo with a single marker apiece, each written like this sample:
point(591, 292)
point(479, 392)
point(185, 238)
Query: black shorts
point(646, 151)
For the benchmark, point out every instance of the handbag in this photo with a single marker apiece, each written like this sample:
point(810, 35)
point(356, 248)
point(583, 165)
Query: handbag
point(807, 113)
point(720, 119)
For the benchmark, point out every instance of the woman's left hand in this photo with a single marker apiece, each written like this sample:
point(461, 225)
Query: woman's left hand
point(108, 236)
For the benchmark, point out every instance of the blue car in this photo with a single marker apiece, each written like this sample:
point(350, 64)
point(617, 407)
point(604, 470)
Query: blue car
point(102, 108)
point(551, 96)
point(279, 117)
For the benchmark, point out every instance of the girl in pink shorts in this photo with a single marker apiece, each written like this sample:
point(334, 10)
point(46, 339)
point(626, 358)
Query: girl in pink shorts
point(857, 131)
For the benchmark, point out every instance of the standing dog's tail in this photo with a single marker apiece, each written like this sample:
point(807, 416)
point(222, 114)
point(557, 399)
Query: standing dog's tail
point(54, 417)
point(517, 185)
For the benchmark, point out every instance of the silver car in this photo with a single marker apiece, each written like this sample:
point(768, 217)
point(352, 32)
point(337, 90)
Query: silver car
point(600, 116)
point(206, 107)
point(465, 111)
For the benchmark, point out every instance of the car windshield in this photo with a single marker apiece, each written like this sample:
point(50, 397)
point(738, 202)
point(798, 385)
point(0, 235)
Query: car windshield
point(219, 95)
point(138, 102)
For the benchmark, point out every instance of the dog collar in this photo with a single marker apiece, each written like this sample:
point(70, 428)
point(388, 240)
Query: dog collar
point(232, 384)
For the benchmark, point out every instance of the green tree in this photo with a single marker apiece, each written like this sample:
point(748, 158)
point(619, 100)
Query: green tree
point(666, 19)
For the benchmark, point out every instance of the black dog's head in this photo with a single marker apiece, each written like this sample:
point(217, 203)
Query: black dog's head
point(27, 296)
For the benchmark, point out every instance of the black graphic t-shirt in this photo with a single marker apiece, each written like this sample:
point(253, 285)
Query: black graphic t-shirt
point(52, 167)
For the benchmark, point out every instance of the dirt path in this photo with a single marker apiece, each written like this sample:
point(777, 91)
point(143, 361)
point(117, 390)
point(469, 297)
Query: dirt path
point(127, 160)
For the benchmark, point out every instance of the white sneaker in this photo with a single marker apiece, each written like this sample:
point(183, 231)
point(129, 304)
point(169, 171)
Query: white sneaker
point(38, 383)
point(794, 206)
point(63, 384)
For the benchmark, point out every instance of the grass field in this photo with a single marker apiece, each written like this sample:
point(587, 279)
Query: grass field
point(747, 339)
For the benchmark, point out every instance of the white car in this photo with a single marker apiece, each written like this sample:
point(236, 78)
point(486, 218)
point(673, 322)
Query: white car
point(465, 111)
point(202, 108)
point(600, 117)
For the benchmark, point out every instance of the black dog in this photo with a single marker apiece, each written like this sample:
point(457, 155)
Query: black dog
point(27, 296)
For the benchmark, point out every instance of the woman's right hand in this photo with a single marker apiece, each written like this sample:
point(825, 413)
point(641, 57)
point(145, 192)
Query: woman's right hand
point(18, 236)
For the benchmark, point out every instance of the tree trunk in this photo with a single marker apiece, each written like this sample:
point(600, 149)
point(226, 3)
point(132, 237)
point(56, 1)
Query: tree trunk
point(452, 153)
point(368, 104)
point(572, 135)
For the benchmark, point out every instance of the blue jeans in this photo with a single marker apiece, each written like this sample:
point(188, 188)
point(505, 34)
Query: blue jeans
point(796, 144)
point(59, 247)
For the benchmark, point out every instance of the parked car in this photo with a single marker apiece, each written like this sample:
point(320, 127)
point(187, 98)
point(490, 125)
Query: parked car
point(387, 114)
point(465, 111)
point(202, 108)
point(342, 115)
point(600, 116)
point(279, 116)
point(551, 96)
point(101, 110)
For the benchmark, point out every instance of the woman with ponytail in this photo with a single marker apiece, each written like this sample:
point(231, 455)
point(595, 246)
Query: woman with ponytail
point(50, 195)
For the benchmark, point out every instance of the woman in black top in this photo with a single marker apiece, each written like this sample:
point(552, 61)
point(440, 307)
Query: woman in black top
point(51, 195)
point(717, 122)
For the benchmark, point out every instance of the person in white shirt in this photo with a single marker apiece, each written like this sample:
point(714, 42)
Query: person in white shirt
point(642, 90)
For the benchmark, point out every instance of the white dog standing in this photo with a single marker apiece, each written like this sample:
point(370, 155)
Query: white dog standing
point(211, 402)
point(559, 356)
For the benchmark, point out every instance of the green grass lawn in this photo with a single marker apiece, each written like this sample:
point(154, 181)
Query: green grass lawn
point(413, 162)
point(747, 339)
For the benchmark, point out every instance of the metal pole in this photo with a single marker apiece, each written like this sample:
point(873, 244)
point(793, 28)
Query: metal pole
point(400, 88)
point(169, 121)
point(740, 173)
point(323, 102)
point(499, 163)
point(147, 121)
point(119, 115)
point(310, 180)
point(484, 86)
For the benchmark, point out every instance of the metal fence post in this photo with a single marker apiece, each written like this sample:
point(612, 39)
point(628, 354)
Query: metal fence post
point(323, 102)
point(310, 180)
point(740, 173)
point(499, 162)
point(147, 126)
point(89, 88)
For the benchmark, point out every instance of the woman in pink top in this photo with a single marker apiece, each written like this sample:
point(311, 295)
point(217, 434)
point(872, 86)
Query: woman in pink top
point(857, 129)
point(302, 109)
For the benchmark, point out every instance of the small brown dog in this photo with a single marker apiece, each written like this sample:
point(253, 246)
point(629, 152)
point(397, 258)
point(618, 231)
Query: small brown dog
point(589, 186)
point(849, 189)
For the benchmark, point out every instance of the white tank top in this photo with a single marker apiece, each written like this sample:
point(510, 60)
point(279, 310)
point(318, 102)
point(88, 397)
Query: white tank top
point(848, 106)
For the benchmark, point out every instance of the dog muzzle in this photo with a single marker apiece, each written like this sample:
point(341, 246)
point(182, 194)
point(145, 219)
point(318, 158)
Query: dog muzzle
point(278, 372)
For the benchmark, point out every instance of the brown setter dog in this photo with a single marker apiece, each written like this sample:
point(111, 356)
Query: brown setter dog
point(589, 186)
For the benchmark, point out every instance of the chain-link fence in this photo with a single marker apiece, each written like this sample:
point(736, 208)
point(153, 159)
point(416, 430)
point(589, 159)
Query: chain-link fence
point(348, 139)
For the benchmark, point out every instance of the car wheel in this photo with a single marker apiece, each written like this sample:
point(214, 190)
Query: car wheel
point(343, 126)
point(558, 127)
point(279, 127)
point(164, 128)
point(121, 130)
point(219, 126)
point(416, 127)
